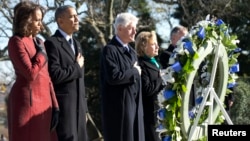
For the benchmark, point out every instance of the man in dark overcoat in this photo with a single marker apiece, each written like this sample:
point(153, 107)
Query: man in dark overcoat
point(121, 84)
point(66, 68)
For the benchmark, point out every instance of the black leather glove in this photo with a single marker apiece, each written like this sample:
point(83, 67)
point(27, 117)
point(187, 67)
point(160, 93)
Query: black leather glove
point(54, 119)
point(39, 46)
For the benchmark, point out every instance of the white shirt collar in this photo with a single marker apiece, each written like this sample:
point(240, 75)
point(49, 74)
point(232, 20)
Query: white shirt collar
point(65, 35)
point(119, 40)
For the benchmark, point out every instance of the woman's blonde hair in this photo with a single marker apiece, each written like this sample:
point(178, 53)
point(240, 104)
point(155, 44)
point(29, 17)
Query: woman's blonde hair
point(142, 40)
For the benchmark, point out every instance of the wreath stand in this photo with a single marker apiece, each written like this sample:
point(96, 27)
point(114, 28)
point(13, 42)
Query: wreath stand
point(99, 134)
point(210, 92)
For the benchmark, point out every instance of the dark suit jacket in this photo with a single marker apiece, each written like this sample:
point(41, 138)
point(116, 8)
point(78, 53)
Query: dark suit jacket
point(121, 94)
point(68, 80)
point(165, 55)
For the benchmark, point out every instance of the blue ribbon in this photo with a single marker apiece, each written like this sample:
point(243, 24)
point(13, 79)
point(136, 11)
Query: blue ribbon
point(191, 114)
point(219, 22)
point(189, 46)
point(162, 113)
point(176, 66)
point(201, 33)
point(168, 94)
point(198, 100)
point(231, 85)
point(234, 68)
point(166, 138)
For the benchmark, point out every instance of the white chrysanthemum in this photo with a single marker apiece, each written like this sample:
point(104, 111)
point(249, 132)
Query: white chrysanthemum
point(235, 42)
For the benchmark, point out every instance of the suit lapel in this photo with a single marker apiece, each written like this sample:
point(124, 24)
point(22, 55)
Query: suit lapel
point(122, 50)
point(68, 49)
point(77, 47)
point(151, 66)
point(65, 45)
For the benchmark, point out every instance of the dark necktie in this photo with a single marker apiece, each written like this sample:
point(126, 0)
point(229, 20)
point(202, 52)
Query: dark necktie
point(72, 44)
point(126, 47)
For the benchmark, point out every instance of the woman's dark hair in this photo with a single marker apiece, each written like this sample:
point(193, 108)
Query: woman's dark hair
point(23, 17)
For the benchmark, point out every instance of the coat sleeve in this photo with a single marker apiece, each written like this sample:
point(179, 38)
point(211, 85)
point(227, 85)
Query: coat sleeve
point(26, 65)
point(118, 70)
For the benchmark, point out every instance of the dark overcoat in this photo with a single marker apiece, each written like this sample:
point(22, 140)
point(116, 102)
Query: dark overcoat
point(152, 84)
point(121, 94)
point(68, 80)
point(165, 55)
point(32, 97)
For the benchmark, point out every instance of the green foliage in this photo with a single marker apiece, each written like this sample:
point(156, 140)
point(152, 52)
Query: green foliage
point(91, 55)
point(235, 13)
point(215, 35)
point(240, 112)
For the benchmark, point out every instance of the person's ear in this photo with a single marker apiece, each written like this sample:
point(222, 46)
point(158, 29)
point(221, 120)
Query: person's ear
point(60, 20)
point(120, 27)
point(174, 39)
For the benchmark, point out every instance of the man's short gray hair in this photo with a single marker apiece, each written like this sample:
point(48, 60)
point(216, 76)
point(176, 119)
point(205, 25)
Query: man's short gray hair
point(124, 19)
point(177, 29)
point(61, 10)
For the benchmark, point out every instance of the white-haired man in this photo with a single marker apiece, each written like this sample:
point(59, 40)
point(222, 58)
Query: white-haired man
point(121, 84)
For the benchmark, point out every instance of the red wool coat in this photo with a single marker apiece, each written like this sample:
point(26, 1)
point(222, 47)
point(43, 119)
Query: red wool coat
point(32, 96)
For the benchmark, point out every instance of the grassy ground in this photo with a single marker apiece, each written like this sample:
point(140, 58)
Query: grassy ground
point(3, 116)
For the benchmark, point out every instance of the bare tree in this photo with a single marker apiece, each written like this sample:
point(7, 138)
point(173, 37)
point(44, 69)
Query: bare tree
point(97, 15)
point(96, 29)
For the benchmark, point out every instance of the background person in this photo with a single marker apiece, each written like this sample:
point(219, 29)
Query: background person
point(228, 102)
point(175, 35)
point(147, 48)
point(32, 96)
point(66, 68)
point(121, 84)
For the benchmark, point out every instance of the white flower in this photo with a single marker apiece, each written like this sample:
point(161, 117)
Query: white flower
point(204, 23)
point(177, 128)
point(235, 42)
point(160, 98)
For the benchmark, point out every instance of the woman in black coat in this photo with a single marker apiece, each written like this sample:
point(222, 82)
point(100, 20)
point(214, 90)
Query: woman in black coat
point(152, 83)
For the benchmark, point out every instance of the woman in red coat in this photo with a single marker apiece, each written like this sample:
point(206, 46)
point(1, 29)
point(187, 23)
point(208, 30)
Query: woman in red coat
point(32, 98)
